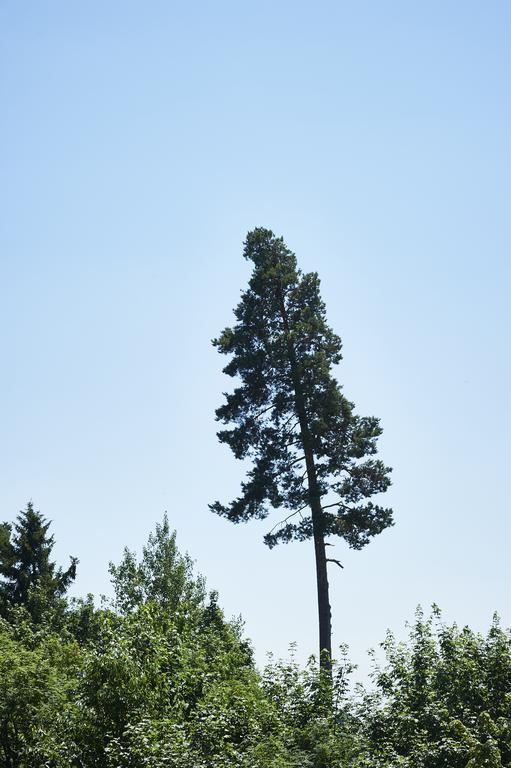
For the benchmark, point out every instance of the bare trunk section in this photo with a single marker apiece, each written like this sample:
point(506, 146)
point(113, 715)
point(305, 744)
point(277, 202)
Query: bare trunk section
point(324, 611)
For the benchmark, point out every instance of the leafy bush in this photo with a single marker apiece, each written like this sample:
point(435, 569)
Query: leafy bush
point(443, 699)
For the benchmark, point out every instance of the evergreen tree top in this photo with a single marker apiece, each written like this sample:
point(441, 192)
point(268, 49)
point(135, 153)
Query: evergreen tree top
point(28, 576)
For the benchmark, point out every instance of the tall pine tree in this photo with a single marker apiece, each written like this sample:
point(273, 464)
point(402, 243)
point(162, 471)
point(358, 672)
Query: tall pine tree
point(311, 454)
point(28, 576)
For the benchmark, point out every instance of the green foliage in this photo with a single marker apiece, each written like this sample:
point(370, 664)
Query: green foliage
point(162, 575)
point(442, 700)
point(164, 679)
point(160, 679)
point(37, 674)
point(289, 407)
point(315, 722)
point(28, 576)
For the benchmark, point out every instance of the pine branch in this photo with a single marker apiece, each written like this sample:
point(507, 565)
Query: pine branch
point(261, 413)
point(295, 461)
point(328, 506)
point(281, 522)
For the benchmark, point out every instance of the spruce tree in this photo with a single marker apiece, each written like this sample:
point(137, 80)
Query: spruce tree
point(311, 454)
point(28, 576)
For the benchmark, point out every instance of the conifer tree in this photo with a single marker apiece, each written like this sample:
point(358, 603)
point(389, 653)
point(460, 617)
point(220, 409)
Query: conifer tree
point(28, 576)
point(311, 454)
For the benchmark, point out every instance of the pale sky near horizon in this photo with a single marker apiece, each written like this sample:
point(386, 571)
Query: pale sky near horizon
point(139, 143)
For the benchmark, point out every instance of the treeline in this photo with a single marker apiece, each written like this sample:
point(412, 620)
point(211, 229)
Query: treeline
point(157, 677)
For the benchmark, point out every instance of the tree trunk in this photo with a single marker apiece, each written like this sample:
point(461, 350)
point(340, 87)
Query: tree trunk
point(324, 611)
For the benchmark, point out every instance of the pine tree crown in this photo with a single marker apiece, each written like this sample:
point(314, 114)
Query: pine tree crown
point(282, 351)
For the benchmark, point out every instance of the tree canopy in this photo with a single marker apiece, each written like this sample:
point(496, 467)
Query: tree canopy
point(169, 682)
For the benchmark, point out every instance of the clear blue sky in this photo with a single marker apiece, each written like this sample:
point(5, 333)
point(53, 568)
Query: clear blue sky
point(139, 143)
